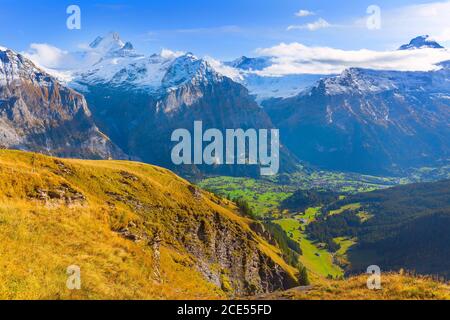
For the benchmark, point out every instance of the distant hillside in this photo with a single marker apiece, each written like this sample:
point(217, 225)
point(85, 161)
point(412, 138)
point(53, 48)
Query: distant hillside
point(301, 200)
point(402, 227)
point(394, 287)
point(135, 230)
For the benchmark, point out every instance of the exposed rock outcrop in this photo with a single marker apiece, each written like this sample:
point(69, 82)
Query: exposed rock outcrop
point(37, 113)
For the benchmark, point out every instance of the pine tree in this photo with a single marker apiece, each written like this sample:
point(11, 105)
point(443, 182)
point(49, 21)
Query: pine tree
point(303, 278)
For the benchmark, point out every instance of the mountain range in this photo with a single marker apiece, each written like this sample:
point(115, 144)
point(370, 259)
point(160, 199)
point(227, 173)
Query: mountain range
point(140, 231)
point(368, 121)
point(139, 101)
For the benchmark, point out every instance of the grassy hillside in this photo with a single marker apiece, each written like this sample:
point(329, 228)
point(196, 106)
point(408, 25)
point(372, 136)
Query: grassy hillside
point(267, 195)
point(136, 231)
point(317, 260)
point(264, 197)
point(278, 199)
point(403, 227)
point(394, 287)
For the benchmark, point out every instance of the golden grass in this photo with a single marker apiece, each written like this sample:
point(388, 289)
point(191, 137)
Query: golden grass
point(37, 245)
point(56, 213)
point(394, 287)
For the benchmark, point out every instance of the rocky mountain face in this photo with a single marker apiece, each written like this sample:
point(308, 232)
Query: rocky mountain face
point(369, 121)
point(139, 101)
point(220, 241)
point(421, 42)
point(38, 113)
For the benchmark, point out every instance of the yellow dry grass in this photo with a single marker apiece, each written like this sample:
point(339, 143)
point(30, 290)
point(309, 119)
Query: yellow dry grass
point(394, 287)
point(40, 238)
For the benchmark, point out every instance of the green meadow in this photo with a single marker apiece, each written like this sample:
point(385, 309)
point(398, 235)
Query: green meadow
point(265, 196)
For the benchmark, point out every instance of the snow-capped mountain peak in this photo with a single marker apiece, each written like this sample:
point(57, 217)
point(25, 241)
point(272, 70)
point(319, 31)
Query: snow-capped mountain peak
point(118, 64)
point(357, 80)
point(421, 42)
point(14, 67)
point(110, 42)
point(188, 67)
point(250, 64)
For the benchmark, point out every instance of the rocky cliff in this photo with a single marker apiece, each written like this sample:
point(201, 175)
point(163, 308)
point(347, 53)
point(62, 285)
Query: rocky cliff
point(38, 113)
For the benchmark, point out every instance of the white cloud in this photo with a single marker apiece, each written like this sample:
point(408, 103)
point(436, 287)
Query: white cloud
point(431, 18)
point(55, 60)
point(296, 58)
point(313, 26)
point(45, 55)
point(413, 20)
point(223, 69)
point(169, 54)
point(51, 59)
point(443, 35)
point(304, 13)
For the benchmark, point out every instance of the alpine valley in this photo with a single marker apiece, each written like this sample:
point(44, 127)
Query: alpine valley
point(85, 178)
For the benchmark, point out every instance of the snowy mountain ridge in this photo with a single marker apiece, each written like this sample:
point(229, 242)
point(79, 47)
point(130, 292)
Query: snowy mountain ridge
point(120, 65)
point(358, 80)
point(111, 61)
point(249, 72)
point(14, 67)
point(421, 42)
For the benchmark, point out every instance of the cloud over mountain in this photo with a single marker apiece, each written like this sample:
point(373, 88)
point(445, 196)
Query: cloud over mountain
point(313, 26)
point(296, 58)
point(46, 55)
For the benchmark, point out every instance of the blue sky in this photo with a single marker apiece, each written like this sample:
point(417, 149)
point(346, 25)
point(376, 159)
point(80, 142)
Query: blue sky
point(218, 28)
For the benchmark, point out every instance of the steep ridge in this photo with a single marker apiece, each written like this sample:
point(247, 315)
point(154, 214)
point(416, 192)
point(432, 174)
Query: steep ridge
point(38, 113)
point(135, 230)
